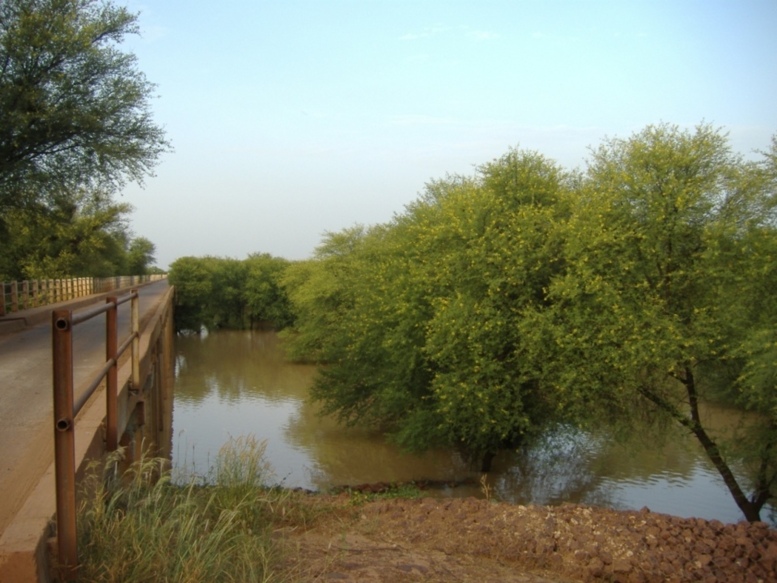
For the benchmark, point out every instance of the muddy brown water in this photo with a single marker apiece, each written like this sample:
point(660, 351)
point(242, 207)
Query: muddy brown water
point(234, 383)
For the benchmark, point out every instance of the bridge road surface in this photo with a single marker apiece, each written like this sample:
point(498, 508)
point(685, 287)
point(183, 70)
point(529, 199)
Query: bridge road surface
point(26, 393)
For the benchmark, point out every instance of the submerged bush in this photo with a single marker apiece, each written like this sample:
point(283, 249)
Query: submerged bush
point(218, 292)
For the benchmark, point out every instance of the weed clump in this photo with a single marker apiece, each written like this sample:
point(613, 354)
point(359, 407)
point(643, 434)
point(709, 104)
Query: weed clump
point(141, 526)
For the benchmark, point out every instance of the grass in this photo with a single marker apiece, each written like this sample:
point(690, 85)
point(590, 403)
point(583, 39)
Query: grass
point(135, 529)
point(406, 491)
point(227, 526)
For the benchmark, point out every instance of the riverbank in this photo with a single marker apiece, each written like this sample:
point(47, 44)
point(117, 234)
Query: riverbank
point(237, 529)
point(445, 540)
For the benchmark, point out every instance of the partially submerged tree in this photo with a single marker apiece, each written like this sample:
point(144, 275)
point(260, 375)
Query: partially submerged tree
point(219, 292)
point(497, 305)
point(416, 320)
point(491, 255)
point(266, 301)
point(322, 292)
point(193, 283)
point(670, 275)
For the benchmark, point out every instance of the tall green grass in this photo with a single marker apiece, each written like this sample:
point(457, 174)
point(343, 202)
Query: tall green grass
point(133, 528)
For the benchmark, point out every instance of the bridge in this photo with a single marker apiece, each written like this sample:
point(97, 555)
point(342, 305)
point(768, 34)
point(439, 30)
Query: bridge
point(27, 427)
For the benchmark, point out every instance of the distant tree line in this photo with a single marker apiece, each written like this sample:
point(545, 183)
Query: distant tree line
point(501, 304)
point(218, 292)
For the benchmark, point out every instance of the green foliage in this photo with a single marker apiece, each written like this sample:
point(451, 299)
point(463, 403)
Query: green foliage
point(227, 301)
point(193, 283)
point(498, 250)
point(85, 235)
point(416, 320)
point(668, 250)
point(320, 293)
point(228, 293)
point(266, 301)
point(74, 107)
point(757, 383)
point(140, 256)
point(74, 127)
point(525, 296)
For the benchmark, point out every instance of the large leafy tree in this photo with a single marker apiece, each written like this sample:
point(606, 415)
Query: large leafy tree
point(140, 256)
point(497, 247)
point(193, 281)
point(75, 126)
point(75, 108)
point(417, 320)
point(667, 298)
point(85, 235)
point(499, 304)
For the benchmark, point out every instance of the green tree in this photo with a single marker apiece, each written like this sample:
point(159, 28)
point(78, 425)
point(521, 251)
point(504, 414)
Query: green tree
point(140, 256)
point(217, 292)
point(320, 294)
point(417, 320)
point(75, 109)
point(351, 318)
point(84, 235)
point(499, 249)
point(227, 305)
point(193, 283)
point(266, 301)
point(669, 279)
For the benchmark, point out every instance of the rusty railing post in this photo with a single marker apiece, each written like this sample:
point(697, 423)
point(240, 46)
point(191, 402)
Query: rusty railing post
point(64, 440)
point(112, 378)
point(14, 297)
point(136, 340)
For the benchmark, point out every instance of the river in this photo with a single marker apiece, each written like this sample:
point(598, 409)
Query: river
point(235, 383)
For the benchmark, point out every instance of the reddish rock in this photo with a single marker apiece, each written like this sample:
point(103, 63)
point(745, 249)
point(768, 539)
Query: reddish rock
point(596, 567)
point(621, 565)
point(574, 543)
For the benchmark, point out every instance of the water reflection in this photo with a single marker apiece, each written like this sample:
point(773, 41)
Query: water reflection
point(231, 383)
point(556, 469)
point(349, 456)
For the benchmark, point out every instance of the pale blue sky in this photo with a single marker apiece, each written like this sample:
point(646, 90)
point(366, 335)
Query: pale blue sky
point(290, 118)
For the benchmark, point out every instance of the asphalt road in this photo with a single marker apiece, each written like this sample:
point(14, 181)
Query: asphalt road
point(26, 397)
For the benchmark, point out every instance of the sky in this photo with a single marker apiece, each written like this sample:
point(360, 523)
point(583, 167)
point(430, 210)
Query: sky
point(293, 118)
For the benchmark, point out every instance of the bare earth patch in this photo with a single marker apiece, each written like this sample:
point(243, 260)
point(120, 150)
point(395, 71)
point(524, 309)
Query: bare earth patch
point(445, 540)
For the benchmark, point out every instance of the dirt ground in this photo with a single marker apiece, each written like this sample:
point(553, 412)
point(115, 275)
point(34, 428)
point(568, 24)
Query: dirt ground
point(452, 540)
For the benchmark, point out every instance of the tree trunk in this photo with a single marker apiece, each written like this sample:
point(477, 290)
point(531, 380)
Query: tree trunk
point(751, 510)
point(485, 463)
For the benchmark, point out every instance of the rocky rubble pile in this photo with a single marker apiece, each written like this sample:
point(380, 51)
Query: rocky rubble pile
point(583, 543)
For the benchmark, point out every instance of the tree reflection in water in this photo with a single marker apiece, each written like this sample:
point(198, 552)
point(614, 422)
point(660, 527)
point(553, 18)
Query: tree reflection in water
point(232, 383)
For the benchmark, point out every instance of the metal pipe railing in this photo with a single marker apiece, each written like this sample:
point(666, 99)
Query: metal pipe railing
point(66, 408)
